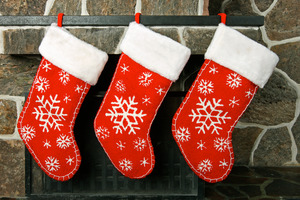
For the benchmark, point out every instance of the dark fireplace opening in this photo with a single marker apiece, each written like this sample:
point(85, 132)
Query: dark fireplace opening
point(98, 179)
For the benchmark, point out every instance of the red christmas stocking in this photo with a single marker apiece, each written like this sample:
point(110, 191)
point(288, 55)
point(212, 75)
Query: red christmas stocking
point(234, 68)
point(148, 65)
point(68, 68)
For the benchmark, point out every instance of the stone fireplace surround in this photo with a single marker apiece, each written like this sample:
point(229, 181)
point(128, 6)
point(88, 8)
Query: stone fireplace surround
point(268, 134)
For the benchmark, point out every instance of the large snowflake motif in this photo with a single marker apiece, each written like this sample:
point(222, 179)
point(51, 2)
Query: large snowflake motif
point(120, 86)
point(183, 134)
point(102, 132)
point(41, 84)
point(27, 132)
point(145, 79)
point(234, 80)
point(205, 166)
point(63, 141)
point(139, 144)
point(209, 116)
point(221, 144)
point(125, 115)
point(52, 164)
point(49, 113)
point(126, 165)
point(205, 87)
point(64, 77)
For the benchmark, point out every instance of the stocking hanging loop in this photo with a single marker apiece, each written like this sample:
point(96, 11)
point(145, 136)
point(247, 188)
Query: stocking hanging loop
point(223, 17)
point(60, 19)
point(137, 17)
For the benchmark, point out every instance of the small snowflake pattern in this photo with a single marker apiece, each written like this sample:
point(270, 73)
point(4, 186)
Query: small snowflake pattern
point(63, 141)
point(46, 65)
point(120, 86)
point(233, 102)
point(124, 68)
point(223, 164)
point(64, 77)
point(139, 144)
point(249, 93)
point(205, 166)
point(41, 84)
point(102, 132)
point(234, 80)
point(28, 132)
point(221, 144)
point(121, 145)
point(52, 164)
point(70, 160)
point(183, 134)
point(144, 162)
point(213, 69)
point(145, 79)
point(205, 87)
point(125, 164)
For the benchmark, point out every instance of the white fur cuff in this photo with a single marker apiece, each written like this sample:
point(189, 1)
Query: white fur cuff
point(154, 51)
point(73, 55)
point(237, 52)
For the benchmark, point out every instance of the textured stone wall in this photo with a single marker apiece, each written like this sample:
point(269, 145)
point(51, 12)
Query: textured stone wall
point(268, 134)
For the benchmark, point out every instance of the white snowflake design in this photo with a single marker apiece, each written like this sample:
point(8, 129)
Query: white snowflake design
point(201, 145)
point(234, 80)
point(213, 69)
point(78, 88)
point(249, 94)
point(223, 164)
point(49, 113)
point(221, 144)
point(209, 116)
point(67, 98)
point(121, 145)
point(205, 166)
point(102, 132)
point(160, 90)
point(27, 132)
point(126, 165)
point(183, 134)
point(146, 100)
point(139, 144)
point(124, 68)
point(52, 164)
point(233, 102)
point(41, 84)
point(145, 79)
point(144, 162)
point(120, 86)
point(64, 77)
point(47, 144)
point(46, 66)
point(205, 87)
point(63, 141)
point(70, 160)
point(125, 115)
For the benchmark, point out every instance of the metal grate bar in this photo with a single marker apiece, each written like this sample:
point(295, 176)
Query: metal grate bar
point(125, 20)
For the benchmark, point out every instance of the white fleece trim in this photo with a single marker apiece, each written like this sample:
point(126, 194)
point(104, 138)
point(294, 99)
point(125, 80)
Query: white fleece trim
point(237, 52)
point(73, 55)
point(154, 51)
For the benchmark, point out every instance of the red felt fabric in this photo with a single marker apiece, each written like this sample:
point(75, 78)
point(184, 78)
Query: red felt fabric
point(125, 116)
point(47, 120)
point(203, 125)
